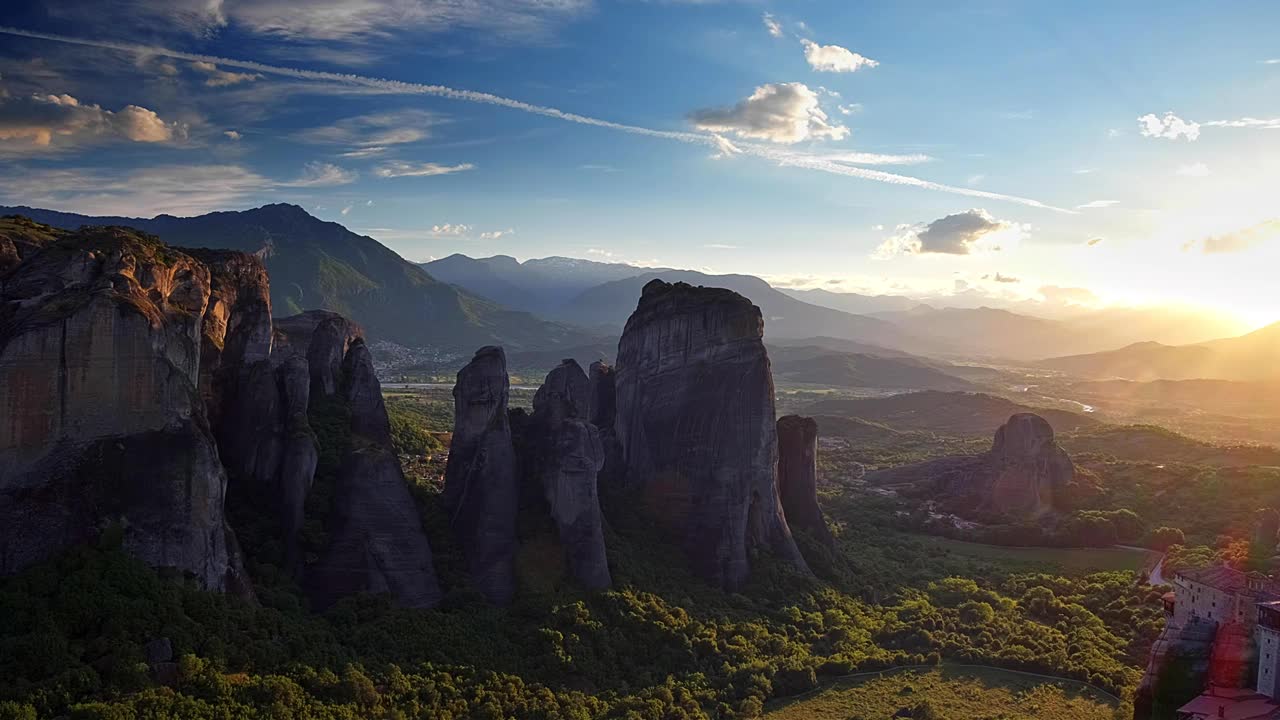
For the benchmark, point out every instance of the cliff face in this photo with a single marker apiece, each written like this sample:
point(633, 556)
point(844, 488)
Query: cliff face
point(101, 418)
point(798, 476)
point(1027, 469)
point(480, 492)
point(376, 539)
point(568, 462)
point(137, 382)
point(695, 420)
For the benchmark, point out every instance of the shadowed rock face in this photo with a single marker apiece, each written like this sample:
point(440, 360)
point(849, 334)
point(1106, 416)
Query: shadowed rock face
point(101, 419)
point(376, 539)
point(322, 337)
point(695, 419)
point(480, 490)
point(1028, 467)
point(568, 461)
point(602, 401)
point(798, 476)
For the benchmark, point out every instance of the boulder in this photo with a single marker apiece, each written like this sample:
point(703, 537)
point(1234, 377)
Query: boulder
point(696, 422)
point(481, 492)
point(798, 476)
point(569, 455)
point(101, 418)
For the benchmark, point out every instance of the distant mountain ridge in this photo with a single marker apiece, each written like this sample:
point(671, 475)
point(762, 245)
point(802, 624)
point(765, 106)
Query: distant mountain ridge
point(1254, 356)
point(316, 264)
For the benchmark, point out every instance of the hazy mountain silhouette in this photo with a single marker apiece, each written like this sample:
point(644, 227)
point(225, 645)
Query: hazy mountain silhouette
point(853, 302)
point(538, 285)
point(1254, 356)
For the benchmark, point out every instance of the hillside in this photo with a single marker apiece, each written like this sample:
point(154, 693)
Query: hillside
point(315, 264)
point(960, 414)
point(608, 306)
point(1254, 356)
point(539, 285)
point(853, 302)
point(813, 365)
point(1151, 443)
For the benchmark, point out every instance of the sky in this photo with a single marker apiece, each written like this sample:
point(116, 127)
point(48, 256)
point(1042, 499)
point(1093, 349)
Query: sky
point(990, 152)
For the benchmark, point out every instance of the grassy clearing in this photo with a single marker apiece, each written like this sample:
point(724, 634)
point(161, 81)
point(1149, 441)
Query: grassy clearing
point(1065, 559)
point(951, 694)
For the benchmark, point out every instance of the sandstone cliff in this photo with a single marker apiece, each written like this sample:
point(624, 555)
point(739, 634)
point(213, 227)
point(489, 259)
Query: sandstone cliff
point(569, 457)
point(101, 418)
point(481, 492)
point(798, 476)
point(695, 420)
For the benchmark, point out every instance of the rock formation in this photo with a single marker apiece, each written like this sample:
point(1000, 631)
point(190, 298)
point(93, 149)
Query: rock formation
point(695, 420)
point(798, 476)
point(101, 418)
point(376, 542)
point(480, 490)
point(137, 382)
point(567, 464)
point(1018, 479)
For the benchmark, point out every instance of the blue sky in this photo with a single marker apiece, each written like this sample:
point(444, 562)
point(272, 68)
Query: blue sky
point(755, 132)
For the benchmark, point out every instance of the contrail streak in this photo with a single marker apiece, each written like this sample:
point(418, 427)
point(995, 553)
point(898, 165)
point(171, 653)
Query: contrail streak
point(782, 157)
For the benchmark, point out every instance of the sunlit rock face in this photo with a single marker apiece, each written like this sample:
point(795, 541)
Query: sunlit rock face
point(567, 459)
point(696, 422)
point(798, 476)
point(481, 492)
point(101, 419)
point(1027, 468)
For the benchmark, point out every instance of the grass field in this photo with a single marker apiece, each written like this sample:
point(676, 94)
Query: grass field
point(1069, 559)
point(948, 694)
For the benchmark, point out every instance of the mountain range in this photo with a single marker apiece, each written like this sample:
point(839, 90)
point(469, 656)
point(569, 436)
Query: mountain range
point(1254, 356)
point(316, 264)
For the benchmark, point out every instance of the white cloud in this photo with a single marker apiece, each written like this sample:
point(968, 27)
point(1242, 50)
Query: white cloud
point(975, 179)
point(850, 109)
point(833, 58)
point(1272, 61)
point(1198, 169)
point(777, 112)
point(222, 78)
point(1085, 171)
point(1113, 133)
point(320, 174)
point(966, 233)
point(864, 158)
point(232, 134)
point(1238, 241)
point(346, 210)
point(773, 26)
point(371, 134)
point(400, 168)
point(450, 230)
point(174, 189)
point(342, 20)
point(1092, 204)
point(330, 81)
point(720, 246)
point(495, 234)
point(1248, 122)
point(1170, 127)
point(44, 120)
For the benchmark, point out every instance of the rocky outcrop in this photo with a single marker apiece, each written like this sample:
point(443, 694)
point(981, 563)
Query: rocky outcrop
point(323, 338)
point(567, 462)
point(21, 237)
point(101, 419)
point(1028, 468)
point(1020, 478)
point(798, 476)
point(481, 492)
point(1178, 665)
point(602, 400)
point(376, 542)
point(695, 420)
